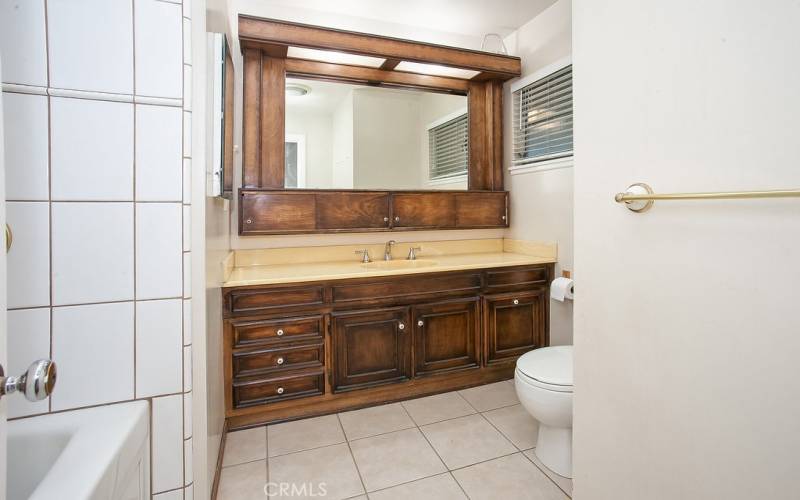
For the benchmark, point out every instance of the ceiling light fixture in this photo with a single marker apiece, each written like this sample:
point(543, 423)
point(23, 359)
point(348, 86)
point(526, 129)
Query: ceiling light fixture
point(296, 90)
point(332, 56)
point(435, 69)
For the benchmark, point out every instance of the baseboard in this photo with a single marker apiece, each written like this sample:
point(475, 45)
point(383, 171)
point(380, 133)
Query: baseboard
point(220, 455)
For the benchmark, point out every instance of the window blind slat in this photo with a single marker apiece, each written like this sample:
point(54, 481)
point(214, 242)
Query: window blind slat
point(542, 120)
point(448, 148)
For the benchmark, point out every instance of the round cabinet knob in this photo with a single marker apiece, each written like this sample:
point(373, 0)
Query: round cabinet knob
point(516, 302)
point(280, 390)
point(397, 219)
point(420, 323)
point(503, 217)
point(401, 326)
point(385, 219)
point(280, 361)
point(249, 221)
point(280, 332)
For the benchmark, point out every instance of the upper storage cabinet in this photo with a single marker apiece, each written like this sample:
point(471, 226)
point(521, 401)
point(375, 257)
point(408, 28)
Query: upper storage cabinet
point(347, 131)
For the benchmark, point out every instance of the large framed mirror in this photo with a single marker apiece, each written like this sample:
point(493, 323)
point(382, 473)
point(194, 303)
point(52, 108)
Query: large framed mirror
point(347, 131)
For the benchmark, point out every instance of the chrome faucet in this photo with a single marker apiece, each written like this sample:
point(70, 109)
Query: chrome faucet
point(387, 250)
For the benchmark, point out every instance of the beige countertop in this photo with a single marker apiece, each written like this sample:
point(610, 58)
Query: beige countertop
point(298, 265)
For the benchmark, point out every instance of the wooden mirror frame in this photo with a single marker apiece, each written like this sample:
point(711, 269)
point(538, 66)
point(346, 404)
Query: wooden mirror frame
point(267, 207)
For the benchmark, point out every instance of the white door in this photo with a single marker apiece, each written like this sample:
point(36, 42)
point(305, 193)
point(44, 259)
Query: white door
point(687, 320)
point(3, 360)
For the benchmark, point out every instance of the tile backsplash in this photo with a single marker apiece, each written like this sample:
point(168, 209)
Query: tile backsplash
point(97, 112)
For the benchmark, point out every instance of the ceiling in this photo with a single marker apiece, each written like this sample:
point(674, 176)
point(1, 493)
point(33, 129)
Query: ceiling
point(464, 17)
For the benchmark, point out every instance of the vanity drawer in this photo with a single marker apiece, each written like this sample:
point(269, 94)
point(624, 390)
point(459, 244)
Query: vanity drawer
point(247, 333)
point(517, 277)
point(396, 287)
point(249, 363)
point(259, 300)
point(253, 392)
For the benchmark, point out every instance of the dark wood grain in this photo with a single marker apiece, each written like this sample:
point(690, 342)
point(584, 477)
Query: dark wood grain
point(370, 348)
point(277, 212)
point(251, 127)
point(481, 209)
point(512, 329)
point(446, 336)
point(273, 118)
point(349, 210)
point(260, 32)
point(423, 210)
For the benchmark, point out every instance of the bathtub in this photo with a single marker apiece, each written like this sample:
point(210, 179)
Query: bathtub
point(94, 453)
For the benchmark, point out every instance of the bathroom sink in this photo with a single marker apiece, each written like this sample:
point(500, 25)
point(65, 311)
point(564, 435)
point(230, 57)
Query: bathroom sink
point(94, 453)
point(400, 264)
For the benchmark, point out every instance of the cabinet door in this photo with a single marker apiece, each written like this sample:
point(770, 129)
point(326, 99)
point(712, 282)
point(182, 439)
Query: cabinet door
point(515, 323)
point(343, 210)
point(423, 210)
point(371, 348)
point(446, 336)
point(265, 212)
point(482, 209)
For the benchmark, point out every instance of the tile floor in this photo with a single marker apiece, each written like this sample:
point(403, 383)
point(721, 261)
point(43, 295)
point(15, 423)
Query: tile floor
point(471, 444)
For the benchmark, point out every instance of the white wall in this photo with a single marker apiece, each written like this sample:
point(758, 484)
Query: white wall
point(385, 139)
point(542, 197)
point(686, 326)
point(99, 147)
point(317, 128)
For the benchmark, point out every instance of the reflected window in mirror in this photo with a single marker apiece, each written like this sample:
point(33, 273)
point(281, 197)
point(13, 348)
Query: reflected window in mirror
point(346, 136)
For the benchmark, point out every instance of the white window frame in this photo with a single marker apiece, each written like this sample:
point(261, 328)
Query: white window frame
point(544, 165)
point(300, 140)
point(441, 121)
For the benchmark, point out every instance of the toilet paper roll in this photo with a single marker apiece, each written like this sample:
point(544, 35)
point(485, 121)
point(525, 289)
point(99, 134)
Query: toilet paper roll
point(562, 288)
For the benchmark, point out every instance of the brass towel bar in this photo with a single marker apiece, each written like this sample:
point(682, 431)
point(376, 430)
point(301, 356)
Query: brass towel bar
point(639, 197)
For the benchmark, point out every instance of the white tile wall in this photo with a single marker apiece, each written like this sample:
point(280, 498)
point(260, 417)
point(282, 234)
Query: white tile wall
point(28, 340)
point(158, 153)
point(158, 48)
point(92, 252)
point(109, 179)
point(90, 45)
point(22, 42)
point(25, 122)
point(158, 347)
point(187, 228)
point(187, 277)
point(28, 262)
point(91, 150)
point(167, 443)
point(187, 321)
point(158, 250)
point(94, 348)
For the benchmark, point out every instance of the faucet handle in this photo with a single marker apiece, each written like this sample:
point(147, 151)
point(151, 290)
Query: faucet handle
point(364, 256)
point(412, 253)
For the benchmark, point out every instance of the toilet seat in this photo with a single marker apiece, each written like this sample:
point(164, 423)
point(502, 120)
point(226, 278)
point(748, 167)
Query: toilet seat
point(547, 368)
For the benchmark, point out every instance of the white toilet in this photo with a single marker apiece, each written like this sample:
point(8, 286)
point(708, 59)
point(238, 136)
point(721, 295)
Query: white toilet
point(543, 379)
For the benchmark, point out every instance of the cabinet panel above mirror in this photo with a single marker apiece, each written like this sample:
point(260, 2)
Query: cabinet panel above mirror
point(345, 136)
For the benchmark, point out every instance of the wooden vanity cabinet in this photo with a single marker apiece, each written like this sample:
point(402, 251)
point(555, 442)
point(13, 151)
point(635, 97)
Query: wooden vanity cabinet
point(370, 348)
point(446, 336)
point(305, 349)
point(514, 324)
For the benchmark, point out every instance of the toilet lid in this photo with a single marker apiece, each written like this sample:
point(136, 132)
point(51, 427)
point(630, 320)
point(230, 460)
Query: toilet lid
point(549, 365)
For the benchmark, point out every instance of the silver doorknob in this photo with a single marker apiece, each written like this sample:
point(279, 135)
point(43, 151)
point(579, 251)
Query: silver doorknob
point(280, 332)
point(280, 390)
point(385, 219)
point(280, 361)
point(36, 383)
point(401, 326)
point(516, 302)
point(397, 219)
point(420, 323)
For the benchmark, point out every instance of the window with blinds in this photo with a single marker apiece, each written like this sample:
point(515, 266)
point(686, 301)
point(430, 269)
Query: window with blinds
point(448, 148)
point(543, 119)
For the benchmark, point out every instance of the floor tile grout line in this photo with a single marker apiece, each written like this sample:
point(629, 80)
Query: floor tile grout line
point(352, 456)
point(501, 432)
point(545, 472)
